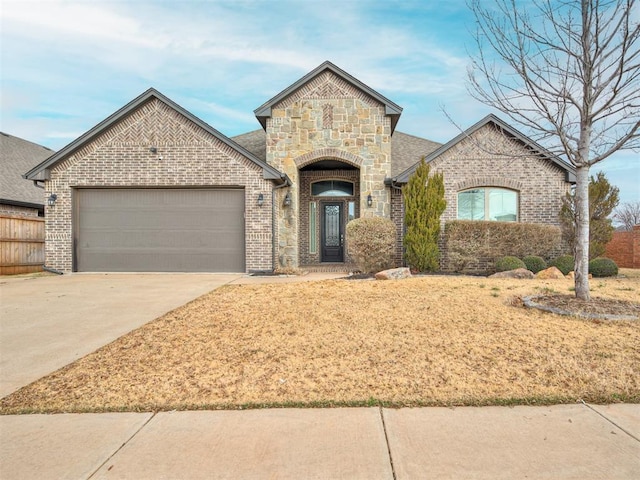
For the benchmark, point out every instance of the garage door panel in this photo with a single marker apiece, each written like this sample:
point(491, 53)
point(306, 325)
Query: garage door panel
point(160, 230)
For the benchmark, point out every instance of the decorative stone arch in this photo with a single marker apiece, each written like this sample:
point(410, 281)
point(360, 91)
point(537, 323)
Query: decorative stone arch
point(488, 182)
point(326, 153)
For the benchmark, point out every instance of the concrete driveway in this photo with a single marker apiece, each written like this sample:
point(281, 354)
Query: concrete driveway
point(48, 322)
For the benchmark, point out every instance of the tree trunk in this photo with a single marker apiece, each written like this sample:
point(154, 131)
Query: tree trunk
point(581, 247)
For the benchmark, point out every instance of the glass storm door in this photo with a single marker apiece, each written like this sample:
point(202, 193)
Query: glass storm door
point(332, 237)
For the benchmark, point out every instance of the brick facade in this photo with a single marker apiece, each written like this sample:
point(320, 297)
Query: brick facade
point(16, 211)
point(187, 156)
point(326, 126)
point(307, 256)
point(327, 118)
point(540, 183)
point(624, 248)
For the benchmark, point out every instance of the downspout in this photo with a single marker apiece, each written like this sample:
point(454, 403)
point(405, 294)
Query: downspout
point(52, 270)
point(286, 182)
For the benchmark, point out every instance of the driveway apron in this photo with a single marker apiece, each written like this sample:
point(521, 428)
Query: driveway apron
point(50, 321)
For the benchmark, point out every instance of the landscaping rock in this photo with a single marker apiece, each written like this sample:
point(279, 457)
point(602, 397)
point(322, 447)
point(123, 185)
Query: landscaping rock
point(551, 273)
point(393, 274)
point(517, 273)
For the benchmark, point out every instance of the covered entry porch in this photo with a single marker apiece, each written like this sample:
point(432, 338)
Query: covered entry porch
point(329, 199)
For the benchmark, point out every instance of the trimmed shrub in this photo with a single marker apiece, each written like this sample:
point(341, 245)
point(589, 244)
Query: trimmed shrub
point(603, 267)
point(564, 263)
point(371, 242)
point(474, 245)
point(423, 205)
point(534, 263)
point(507, 263)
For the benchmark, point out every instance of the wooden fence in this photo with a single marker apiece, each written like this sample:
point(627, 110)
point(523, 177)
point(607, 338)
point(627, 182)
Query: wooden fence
point(21, 245)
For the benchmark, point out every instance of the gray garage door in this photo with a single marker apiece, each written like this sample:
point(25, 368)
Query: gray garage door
point(159, 230)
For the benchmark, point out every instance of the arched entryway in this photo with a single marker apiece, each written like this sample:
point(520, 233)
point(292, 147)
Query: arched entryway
point(329, 198)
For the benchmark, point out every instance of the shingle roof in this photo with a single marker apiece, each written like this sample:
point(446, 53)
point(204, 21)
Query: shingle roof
point(16, 157)
point(255, 142)
point(406, 150)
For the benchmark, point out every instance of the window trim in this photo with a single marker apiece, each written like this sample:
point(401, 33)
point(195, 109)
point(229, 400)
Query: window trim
point(353, 188)
point(487, 212)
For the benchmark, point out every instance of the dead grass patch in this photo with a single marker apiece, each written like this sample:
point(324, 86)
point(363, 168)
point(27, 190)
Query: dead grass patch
point(421, 341)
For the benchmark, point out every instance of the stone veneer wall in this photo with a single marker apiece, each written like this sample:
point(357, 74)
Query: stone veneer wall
point(328, 118)
point(187, 156)
point(540, 183)
point(308, 177)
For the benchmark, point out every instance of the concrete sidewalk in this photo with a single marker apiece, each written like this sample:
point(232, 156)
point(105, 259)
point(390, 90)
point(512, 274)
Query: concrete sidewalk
point(558, 442)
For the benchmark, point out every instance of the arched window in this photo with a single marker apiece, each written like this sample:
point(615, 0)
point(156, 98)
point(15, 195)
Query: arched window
point(488, 203)
point(332, 188)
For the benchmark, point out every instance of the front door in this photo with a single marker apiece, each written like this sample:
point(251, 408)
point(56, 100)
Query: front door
point(332, 233)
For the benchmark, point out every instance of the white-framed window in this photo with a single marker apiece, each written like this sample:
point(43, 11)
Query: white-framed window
point(488, 203)
point(332, 188)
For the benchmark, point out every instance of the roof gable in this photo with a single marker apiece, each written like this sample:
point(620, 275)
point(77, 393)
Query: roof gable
point(17, 156)
point(505, 128)
point(40, 172)
point(391, 109)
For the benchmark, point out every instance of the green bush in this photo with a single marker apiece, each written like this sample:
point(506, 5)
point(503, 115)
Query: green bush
point(474, 245)
point(534, 263)
point(564, 263)
point(603, 267)
point(507, 263)
point(423, 205)
point(371, 243)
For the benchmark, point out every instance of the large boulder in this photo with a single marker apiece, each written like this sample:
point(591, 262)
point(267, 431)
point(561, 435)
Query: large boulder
point(517, 273)
point(394, 274)
point(551, 273)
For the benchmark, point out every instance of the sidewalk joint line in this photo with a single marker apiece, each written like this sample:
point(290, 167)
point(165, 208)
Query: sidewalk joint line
point(122, 446)
point(610, 421)
point(386, 438)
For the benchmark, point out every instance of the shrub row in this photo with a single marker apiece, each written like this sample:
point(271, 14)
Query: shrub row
point(530, 262)
point(469, 243)
point(598, 267)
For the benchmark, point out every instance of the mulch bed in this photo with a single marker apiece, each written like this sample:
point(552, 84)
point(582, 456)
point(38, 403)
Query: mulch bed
point(595, 307)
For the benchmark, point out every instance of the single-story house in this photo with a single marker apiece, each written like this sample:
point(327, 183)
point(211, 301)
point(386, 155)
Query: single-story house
point(20, 197)
point(154, 188)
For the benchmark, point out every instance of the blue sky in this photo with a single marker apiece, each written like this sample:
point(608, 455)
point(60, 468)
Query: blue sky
point(67, 65)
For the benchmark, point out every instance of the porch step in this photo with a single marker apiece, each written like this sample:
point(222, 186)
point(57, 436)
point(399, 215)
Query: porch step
point(329, 268)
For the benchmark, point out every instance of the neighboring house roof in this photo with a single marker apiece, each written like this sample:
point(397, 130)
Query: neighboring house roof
point(16, 157)
point(406, 150)
point(40, 172)
point(570, 171)
point(391, 109)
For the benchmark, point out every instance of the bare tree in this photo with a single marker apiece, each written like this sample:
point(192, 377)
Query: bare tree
point(569, 72)
point(627, 215)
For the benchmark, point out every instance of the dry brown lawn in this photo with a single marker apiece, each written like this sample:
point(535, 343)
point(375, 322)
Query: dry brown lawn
point(421, 341)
